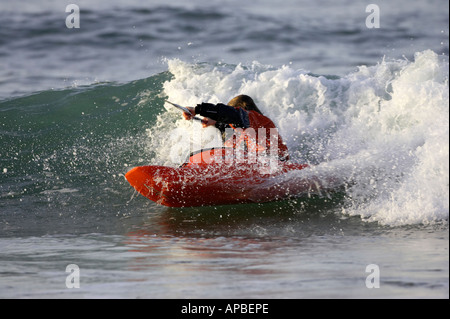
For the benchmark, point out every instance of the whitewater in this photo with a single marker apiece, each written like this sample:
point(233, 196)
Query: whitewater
point(382, 130)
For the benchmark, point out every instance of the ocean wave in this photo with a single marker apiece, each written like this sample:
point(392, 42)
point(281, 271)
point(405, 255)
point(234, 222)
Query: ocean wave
point(382, 131)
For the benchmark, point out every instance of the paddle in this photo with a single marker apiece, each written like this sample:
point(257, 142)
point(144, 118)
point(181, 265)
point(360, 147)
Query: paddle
point(182, 108)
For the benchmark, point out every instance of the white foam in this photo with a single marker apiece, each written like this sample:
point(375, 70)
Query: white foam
point(383, 129)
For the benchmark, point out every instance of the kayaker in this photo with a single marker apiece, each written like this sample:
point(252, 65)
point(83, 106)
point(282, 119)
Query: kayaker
point(243, 116)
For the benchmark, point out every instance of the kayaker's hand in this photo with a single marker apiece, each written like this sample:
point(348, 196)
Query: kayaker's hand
point(207, 122)
point(188, 116)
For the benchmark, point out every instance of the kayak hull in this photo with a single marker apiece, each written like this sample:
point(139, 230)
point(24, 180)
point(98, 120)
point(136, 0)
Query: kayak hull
point(204, 184)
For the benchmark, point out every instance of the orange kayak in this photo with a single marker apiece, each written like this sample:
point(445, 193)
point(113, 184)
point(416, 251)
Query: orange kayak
point(208, 179)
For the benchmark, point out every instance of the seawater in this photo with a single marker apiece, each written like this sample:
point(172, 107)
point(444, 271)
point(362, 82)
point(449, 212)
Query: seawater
point(366, 108)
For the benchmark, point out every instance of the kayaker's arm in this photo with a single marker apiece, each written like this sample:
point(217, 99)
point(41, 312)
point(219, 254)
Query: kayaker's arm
point(224, 114)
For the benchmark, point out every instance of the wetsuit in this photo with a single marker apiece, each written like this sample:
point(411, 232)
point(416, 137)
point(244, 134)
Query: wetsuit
point(238, 118)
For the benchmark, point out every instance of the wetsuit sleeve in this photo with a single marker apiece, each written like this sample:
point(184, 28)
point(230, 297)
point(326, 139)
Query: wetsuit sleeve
point(224, 114)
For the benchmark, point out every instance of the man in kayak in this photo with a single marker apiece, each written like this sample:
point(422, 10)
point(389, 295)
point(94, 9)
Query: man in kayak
point(255, 131)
